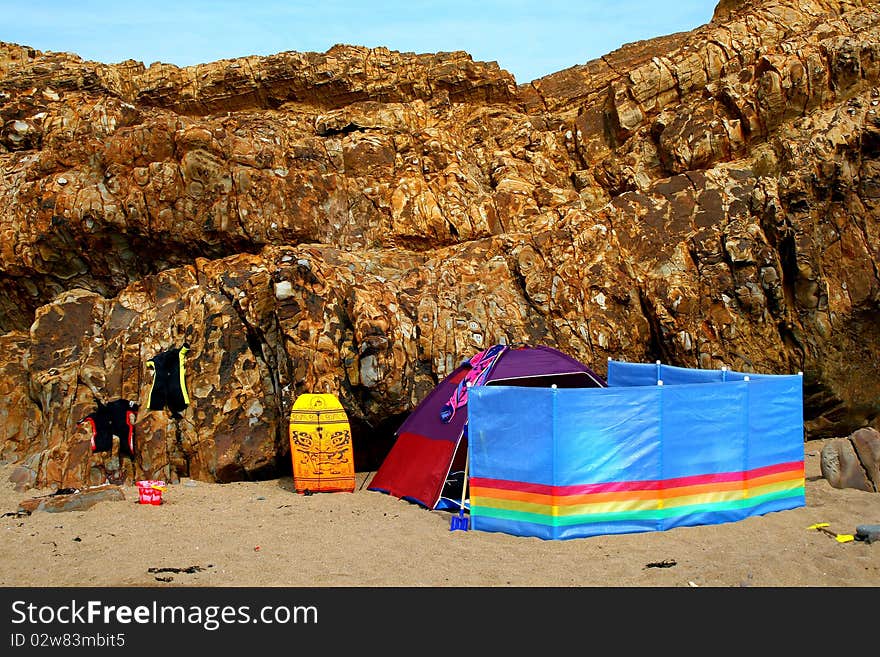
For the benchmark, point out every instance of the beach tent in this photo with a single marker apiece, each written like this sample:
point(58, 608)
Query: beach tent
point(659, 447)
point(426, 448)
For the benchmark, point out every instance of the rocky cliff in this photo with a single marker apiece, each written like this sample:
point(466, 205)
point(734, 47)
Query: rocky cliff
point(361, 220)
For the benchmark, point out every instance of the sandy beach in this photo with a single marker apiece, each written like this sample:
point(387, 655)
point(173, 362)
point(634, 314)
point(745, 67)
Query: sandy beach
point(264, 534)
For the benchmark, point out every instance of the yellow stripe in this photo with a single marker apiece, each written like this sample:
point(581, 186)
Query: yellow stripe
point(151, 366)
point(705, 498)
point(180, 355)
point(554, 509)
point(791, 484)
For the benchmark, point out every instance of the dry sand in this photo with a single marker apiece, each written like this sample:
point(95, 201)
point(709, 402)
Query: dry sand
point(263, 534)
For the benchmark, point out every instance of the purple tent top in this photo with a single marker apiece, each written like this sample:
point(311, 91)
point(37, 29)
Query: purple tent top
point(538, 366)
point(543, 366)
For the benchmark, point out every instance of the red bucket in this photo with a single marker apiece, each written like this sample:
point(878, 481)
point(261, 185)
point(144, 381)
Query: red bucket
point(150, 491)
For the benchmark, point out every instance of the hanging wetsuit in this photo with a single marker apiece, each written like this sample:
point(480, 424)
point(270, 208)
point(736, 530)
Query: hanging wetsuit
point(114, 419)
point(169, 385)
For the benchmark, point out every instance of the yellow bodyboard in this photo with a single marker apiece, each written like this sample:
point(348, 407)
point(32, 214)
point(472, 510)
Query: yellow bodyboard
point(320, 445)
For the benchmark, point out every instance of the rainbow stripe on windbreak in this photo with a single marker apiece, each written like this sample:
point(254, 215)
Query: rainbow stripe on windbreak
point(637, 505)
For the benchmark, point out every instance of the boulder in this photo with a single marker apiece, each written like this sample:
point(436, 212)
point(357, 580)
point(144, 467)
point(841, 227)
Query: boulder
point(852, 462)
point(866, 442)
point(80, 500)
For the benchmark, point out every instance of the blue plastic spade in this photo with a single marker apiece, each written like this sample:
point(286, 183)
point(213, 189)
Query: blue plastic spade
point(459, 522)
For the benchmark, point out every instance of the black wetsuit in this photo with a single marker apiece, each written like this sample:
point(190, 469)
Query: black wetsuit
point(114, 419)
point(169, 385)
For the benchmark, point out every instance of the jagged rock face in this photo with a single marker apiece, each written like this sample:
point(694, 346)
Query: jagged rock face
point(360, 221)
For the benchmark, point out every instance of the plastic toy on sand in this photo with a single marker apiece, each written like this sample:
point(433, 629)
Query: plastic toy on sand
point(150, 491)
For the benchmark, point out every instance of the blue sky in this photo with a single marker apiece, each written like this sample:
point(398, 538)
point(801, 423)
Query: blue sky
point(529, 39)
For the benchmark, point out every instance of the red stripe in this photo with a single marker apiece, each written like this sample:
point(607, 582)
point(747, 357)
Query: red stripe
point(543, 489)
point(94, 431)
point(129, 416)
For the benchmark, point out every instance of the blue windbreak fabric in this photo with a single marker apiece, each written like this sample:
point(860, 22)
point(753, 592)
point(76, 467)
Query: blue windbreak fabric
point(566, 463)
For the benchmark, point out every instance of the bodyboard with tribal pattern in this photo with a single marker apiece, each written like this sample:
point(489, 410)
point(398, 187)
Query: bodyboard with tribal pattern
point(320, 445)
